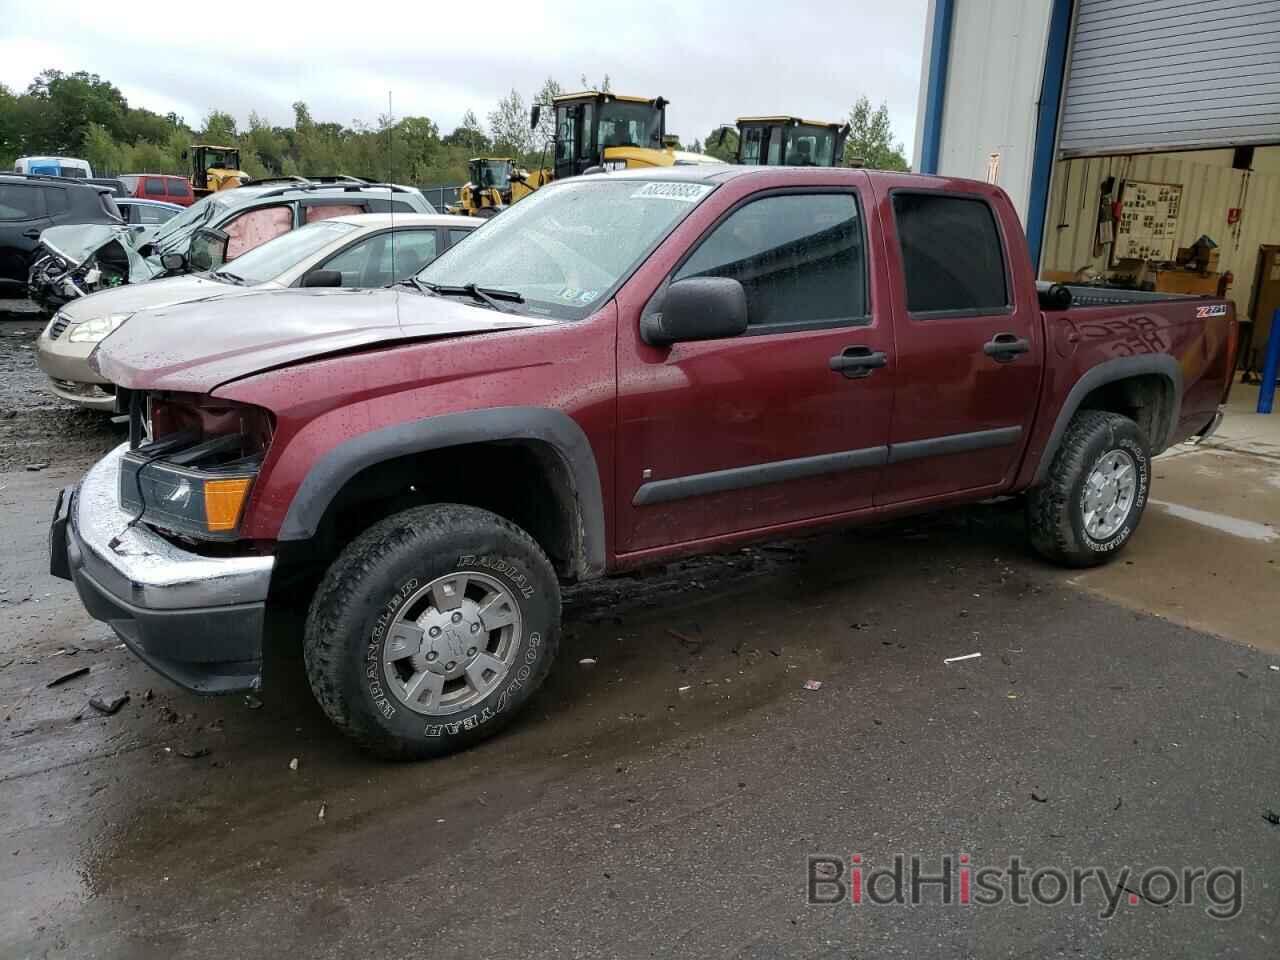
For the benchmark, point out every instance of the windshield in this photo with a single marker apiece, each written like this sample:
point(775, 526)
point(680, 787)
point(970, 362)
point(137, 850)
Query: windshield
point(274, 257)
point(491, 173)
point(810, 147)
point(219, 159)
point(566, 247)
point(629, 125)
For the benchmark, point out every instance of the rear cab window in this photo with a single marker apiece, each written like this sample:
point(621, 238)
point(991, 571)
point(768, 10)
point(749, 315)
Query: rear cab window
point(952, 255)
point(320, 210)
point(800, 257)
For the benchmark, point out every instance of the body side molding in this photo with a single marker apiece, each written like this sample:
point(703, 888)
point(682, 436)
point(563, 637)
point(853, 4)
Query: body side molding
point(756, 475)
point(954, 443)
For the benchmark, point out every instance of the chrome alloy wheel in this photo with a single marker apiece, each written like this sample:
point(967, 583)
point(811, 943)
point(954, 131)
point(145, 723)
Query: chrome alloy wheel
point(1109, 492)
point(452, 643)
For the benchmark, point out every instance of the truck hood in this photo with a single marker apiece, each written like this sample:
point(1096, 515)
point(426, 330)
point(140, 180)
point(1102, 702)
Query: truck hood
point(195, 347)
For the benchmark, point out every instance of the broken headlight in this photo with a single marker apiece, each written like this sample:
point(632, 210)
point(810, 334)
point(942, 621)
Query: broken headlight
point(194, 473)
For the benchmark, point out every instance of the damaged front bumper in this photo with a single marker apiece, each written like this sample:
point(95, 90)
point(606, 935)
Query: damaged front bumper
point(198, 620)
point(75, 261)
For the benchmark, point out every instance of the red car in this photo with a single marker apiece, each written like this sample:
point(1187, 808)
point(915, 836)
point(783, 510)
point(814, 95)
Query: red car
point(620, 370)
point(159, 186)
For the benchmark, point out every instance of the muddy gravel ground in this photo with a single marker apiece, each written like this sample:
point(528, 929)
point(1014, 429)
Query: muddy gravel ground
point(35, 426)
point(663, 793)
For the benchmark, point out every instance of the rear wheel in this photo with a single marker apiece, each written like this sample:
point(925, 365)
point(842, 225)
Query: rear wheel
point(431, 630)
point(1092, 500)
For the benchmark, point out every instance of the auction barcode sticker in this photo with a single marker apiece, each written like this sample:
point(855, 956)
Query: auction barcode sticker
point(684, 192)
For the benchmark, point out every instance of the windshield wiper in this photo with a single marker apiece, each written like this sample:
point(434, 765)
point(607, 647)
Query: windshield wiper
point(489, 296)
point(413, 282)
point(228, 275)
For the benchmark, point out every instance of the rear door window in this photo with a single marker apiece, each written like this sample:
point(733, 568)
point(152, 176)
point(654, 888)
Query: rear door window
point(19, 201)
point(178, 188)
point(147, 214)
point(952, 258)
point(801, 258)
point(326, 211)
point(153, 186)
point(256, 227)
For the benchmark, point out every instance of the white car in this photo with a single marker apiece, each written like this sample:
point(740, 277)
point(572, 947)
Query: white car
point(361, 250)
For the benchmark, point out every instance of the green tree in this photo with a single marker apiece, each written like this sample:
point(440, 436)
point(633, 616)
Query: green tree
point(102, 152)
point(509, 126)
point(871, 138)
point(546, 129)
point(722, 143)
point(219, 129)
point(468, 135)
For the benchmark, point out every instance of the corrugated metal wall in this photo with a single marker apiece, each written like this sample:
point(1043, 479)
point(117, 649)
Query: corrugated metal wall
point(993, 79)
point(1158, 74)
point(1210, 189)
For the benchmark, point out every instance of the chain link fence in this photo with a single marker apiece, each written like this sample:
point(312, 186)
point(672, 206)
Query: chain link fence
point(441, 197)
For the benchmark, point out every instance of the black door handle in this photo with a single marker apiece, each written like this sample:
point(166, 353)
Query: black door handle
point(857, 362)
point(1004, 347)
point(31, 234)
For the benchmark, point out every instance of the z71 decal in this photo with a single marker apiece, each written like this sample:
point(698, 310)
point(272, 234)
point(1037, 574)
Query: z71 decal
point(1216, 310)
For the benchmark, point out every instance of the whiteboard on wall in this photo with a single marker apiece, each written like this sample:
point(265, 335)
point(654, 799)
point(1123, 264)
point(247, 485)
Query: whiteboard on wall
point(1148, 224)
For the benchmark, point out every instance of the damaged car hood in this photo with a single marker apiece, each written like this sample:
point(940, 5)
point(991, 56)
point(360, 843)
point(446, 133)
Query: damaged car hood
point(76, 243)
point(201, 345)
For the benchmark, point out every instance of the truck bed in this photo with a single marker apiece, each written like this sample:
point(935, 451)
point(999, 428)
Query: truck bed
point(1089, 295)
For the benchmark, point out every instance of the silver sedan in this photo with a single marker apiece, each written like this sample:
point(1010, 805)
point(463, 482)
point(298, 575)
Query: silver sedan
point(362, 250)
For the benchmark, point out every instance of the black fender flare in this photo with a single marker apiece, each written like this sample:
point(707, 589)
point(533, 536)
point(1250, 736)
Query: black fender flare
point(1112, 371)
point(539, 424)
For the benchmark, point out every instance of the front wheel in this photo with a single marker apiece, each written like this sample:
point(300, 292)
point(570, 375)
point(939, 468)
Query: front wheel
point(1090, 503)
point(431, 630)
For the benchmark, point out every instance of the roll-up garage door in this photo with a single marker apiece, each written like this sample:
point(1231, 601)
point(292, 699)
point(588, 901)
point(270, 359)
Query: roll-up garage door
point(1148, 75)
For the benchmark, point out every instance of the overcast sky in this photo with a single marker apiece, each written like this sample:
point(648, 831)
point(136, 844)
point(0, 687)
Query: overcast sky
point(714, 60)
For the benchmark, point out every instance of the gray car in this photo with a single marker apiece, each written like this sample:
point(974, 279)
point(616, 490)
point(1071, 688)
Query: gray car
point(75, 261)
point(366, 250)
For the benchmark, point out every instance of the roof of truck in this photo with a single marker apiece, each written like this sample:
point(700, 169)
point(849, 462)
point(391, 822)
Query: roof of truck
point(724, 172)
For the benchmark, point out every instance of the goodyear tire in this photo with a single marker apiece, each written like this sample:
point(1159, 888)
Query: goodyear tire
point(1092, 500)
point(431, 630)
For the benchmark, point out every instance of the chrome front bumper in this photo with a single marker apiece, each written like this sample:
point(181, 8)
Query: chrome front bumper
point(196, 619)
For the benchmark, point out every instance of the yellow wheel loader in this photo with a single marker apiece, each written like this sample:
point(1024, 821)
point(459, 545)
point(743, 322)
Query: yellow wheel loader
point(214, 168)
point(789, 142)
point(607, 131)
point(494, 183)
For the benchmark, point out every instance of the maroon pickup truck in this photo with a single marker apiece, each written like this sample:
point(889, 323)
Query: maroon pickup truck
point(620, 370)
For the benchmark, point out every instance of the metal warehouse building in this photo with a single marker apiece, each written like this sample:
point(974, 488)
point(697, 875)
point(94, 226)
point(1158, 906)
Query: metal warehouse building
point(1124, 131)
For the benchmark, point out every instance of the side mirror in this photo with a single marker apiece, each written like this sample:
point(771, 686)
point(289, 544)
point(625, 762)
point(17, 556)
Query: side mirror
point(321, 278)
point(700, 308)
point(184, 154)
point(208, 250)
point(535, 114)
point(173, 262)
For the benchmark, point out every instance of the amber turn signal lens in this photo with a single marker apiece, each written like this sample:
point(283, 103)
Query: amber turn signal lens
point(222, 502)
